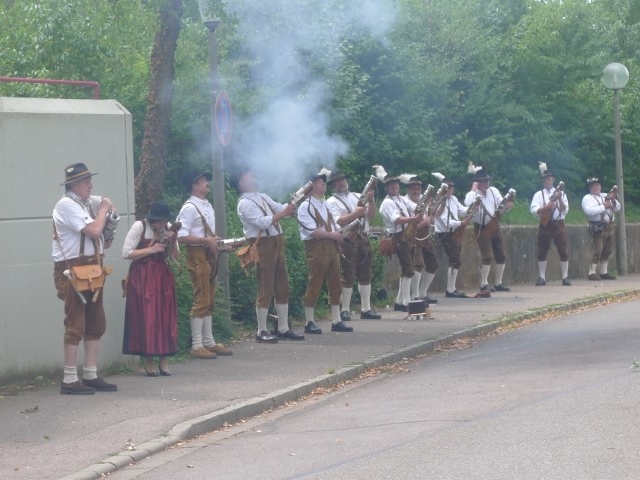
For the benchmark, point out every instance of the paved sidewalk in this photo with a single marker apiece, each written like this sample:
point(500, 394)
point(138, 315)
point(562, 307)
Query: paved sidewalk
point(46, 435)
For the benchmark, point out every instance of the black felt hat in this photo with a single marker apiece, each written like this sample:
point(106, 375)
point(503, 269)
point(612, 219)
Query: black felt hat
point(76, 172)
point(159, 211)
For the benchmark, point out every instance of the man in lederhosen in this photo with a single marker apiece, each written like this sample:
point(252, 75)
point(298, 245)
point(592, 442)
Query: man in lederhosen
point(322, 239)
point(260, 216)
point(446, 224)
point(396, 215)
point(425, 260)
point(79, 219)
point(197, 234)
point(357, 253)
point(490, 243)
point(600, 211)
point(551, 208)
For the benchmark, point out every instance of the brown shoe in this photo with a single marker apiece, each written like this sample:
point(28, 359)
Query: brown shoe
point(219, 349)
point(76, 388)
point(100, 385)
point(202, 352)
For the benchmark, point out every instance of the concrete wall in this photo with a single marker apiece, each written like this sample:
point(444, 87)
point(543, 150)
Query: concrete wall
point(522, 265)
point(38, 139)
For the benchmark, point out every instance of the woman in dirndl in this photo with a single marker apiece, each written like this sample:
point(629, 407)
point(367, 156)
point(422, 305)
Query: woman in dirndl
point(151, 314)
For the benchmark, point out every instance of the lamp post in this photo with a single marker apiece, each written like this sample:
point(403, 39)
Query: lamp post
point(219, 204)
point(615, 77)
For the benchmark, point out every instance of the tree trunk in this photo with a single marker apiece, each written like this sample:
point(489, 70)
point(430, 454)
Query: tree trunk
point(149, 182)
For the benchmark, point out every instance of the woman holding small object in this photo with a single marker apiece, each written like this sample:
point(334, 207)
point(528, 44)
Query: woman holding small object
point(151, 315)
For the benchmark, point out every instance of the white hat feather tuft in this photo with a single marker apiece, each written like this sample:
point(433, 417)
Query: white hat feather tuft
point(324, 171)
point(472, 168)
point(405, 177)
point(380, 172)
point(543, 167)
point(438, 175)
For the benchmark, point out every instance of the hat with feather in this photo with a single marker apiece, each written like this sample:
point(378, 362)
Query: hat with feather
point(443, 179)
point(409, 179)
point(544, 171)
point(479, 173)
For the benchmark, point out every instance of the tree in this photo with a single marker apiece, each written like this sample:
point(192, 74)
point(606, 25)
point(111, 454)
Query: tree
point(150, 178)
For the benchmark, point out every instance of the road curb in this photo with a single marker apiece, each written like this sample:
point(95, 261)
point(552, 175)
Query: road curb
point(263, 403)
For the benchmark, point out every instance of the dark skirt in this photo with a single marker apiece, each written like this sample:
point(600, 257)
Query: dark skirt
point(151, 315)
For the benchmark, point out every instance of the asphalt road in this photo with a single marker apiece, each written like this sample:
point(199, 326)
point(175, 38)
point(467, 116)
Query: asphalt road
point(554, 400)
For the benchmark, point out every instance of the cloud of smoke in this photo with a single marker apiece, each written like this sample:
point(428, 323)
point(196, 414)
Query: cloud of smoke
point(291, 44)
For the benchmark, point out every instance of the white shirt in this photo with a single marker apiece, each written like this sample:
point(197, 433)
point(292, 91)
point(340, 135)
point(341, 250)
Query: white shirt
point(70, 216)
point(190, 218)
point(339, 202)
point(541, 198)
point(391, 209)
point(134, 236)
point(448, 220)
point(593, 208)
point(307, 219)
point(490, 202)
point(256, 212)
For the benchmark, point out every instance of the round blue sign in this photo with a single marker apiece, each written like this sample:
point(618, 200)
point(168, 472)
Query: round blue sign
point(223, 118)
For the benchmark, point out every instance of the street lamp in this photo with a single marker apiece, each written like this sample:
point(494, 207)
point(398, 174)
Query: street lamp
point(211, 22)
point(615, 77)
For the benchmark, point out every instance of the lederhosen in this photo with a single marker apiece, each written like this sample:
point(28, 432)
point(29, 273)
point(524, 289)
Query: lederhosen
point(202, 266)
point(357, 257)
point(404, 247)
point(81, 321)
point(602, 241)
point(323, 262)
point(490, 246)
point(271, 270)
point(554, 230)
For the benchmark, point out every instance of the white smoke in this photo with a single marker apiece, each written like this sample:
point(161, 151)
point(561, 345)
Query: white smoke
point(290, 137)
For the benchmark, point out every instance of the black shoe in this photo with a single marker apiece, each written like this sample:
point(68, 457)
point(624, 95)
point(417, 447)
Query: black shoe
point(370, 315)
point(502, 288)
point(540, 282)
point(566, 282)
point(312, 328)
point(266, 337)
point(76, 388)
point(165, 373)
point(100, 385)
point(290, 335)
point(594, 277)
point(345, 315)
point(398, 307)
point(487, 288)
point(428, 299)
point(151, 373)
point(607, 276)
point(341, 327)
point(455, 294)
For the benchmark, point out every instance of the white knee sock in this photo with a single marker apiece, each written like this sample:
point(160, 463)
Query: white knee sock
point(308, 314)
point(399, 296)
point(346, 298)
point(89, 373)
point(414, 290)
point(484, 274)
point(261, 315)
point(196, 332)
point(335, 314)
point(425, 283)
point(498, 274)
point(282, 310)
point(405, 283)
point(564, 267)
point(207, 332)
point(542, 269)
point(454, 275)
point(592, 268)
point(604, 268)
point(451, 280)
point(70, 374)
point(365, 297)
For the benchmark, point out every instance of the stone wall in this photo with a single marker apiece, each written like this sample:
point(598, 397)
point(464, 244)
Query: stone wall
point(521, 264)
